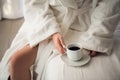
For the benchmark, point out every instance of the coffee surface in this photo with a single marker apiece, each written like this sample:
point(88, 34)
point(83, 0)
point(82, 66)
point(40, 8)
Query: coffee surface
point(74, 48)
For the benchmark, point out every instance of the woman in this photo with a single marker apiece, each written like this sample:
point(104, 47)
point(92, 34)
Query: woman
point(48, 22)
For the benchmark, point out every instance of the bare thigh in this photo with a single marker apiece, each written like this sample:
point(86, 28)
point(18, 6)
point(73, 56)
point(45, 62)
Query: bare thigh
point(25, 56)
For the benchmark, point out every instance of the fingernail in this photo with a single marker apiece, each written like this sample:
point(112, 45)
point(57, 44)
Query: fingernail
point(64, 46)
point(64, 50)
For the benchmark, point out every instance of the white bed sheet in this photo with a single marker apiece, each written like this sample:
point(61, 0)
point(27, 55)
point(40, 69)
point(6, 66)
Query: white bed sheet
point(101, 67)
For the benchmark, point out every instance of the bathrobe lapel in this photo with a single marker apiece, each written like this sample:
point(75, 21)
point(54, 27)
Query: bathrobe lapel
point(69, 3)
point(72, 3)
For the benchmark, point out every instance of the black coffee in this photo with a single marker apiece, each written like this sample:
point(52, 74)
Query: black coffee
point(74, 48)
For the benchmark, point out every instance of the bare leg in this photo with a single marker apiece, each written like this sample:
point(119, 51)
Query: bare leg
point(21, 62)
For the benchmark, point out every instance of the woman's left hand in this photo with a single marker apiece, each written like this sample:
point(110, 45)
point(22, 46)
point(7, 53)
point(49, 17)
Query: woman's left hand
point(93, 53)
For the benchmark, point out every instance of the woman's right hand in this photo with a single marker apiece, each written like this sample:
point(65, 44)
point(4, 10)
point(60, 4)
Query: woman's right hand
point(59, 42)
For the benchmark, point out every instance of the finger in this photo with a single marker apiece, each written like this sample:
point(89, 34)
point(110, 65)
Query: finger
point(62, 42)
point(61, 50)
point(59, 47)
point(93, 53)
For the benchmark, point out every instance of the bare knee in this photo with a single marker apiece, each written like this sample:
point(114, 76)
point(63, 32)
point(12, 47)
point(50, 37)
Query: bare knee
point(16, 61)
point(23, 58)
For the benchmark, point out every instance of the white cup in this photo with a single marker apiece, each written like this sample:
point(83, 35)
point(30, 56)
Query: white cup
point(74, 52)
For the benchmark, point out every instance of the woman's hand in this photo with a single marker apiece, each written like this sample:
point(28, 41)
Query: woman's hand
point(59, 42)
point(93, 53)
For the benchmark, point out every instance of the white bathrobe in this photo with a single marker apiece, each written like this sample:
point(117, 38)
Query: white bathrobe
point(97, 22)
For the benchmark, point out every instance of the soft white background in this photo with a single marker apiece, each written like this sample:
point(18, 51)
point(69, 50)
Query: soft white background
point(11, 9)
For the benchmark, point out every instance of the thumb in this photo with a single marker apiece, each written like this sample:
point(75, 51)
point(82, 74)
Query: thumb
point(62, 42)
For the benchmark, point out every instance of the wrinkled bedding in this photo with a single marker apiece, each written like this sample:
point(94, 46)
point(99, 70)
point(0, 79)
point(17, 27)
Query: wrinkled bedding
point(101, 67)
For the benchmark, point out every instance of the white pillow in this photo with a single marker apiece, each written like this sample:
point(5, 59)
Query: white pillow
point(12, 9)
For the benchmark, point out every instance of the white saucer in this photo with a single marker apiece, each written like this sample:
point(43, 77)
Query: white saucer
point(84, 60)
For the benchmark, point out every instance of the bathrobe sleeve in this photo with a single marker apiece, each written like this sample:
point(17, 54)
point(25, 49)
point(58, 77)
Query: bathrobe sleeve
point(104, 20)
point(39, 20)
